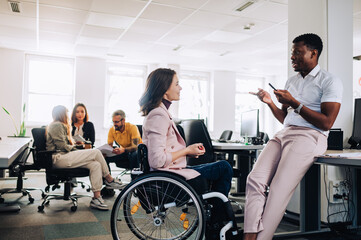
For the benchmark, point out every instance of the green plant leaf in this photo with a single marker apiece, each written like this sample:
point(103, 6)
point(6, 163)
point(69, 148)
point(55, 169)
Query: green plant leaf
point(6, 111)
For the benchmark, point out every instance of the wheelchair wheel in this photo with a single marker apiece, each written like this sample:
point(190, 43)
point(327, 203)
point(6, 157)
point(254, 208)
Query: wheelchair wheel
point(158, 206)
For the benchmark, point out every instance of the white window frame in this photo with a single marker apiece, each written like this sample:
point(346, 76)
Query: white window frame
point(185, 75)
point(28, 58)
point(144, 68)
point(262, 81)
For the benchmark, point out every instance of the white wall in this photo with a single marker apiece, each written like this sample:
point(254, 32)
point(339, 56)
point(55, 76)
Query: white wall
point(224, 102)
point(90, 75)
point(11, 89)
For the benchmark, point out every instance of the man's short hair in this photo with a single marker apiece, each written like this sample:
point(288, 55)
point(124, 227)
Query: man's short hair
point(312, 41)
point(119, 113)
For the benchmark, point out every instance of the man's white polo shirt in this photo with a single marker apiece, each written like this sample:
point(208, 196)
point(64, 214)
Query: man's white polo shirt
point(317, 87)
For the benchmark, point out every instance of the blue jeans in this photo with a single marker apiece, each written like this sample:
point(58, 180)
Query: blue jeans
point(220, 173)
point(124, 160)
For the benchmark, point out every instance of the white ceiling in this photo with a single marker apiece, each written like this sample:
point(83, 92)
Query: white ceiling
point(203, 33)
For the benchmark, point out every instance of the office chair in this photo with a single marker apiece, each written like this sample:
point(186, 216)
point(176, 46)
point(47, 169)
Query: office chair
point(226, 135)
point(18, 169)
point(196, 132)
point(54, 176)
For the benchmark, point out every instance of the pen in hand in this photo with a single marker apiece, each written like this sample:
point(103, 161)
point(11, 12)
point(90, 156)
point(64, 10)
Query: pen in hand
point(272, 86)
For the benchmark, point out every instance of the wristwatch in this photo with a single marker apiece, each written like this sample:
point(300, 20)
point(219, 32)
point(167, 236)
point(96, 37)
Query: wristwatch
point(298, 109)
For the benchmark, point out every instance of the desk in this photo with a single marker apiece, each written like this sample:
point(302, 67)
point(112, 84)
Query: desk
point(10, 149)
point(310, 189)
point(245, 155)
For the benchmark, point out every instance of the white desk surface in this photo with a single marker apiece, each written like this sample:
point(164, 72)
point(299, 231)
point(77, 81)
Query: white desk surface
point(333, 159)
point(235, 146)
point(10, 148)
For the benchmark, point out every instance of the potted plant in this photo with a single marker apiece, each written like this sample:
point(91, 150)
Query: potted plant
point(22, 131)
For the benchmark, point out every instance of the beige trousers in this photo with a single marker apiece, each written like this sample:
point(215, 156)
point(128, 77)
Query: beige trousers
point(281, 166)
point(91, 159)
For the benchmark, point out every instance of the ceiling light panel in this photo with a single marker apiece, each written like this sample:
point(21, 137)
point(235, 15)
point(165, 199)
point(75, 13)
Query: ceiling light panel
point(165, 13)
point(227, 7)
point(106, 20)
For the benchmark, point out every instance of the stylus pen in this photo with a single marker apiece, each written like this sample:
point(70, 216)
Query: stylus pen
point(272, 86)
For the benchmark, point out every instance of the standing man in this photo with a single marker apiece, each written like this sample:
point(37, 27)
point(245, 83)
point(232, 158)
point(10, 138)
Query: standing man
point(126, 137)
point(310, 104)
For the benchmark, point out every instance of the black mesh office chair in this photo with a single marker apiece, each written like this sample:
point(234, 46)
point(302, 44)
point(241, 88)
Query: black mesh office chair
point(18, 169)
point(196, 132)
point(54, 176)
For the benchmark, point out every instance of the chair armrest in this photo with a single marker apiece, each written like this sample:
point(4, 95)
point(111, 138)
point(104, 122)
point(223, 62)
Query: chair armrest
point(43, 159)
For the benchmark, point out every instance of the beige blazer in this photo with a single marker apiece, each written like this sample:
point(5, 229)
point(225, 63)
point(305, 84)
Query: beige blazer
point(161, 137)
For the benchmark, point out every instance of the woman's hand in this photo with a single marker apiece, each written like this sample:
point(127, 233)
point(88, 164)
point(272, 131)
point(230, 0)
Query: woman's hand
point(263, 95)
point(196, 150)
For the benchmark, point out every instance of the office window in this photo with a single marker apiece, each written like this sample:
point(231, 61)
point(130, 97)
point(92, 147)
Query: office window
point(125, 85)
point(245, 101)
point(49, 81)
point(194, 100)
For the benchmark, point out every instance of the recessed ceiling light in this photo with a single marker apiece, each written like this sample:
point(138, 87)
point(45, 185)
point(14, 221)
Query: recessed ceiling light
point(244, 6)
point(248, 26)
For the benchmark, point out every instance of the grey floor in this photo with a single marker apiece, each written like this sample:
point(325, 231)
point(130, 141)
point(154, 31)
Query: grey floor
point(58, 222)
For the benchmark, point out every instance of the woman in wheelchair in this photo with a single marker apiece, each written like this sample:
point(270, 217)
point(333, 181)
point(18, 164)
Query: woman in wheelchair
point(168, 202)
point(58, 138)
point(166, 148)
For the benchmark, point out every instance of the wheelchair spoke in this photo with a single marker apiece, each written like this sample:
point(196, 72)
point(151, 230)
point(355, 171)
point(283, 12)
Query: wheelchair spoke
point(152, 207)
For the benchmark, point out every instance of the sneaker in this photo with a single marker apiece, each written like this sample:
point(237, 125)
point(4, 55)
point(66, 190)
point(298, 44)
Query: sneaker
point(98, 203)
point(115, 184)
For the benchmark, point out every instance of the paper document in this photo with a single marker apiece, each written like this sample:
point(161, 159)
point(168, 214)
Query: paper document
point(345, 155)
point(107, 150)
point(78, 138)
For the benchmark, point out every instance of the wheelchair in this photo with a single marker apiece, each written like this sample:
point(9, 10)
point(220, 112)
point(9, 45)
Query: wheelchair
point(162, 205)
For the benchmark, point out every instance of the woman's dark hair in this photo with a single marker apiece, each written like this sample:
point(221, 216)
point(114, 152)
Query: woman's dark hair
point(158, 83)
point(73, 114)
point(312, 41)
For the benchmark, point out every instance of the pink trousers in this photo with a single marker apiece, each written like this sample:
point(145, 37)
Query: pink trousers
point(281, 166)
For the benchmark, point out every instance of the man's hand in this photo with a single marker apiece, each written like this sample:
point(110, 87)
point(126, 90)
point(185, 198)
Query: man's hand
point(285, 97)
point(118, 150)
point(263, 95)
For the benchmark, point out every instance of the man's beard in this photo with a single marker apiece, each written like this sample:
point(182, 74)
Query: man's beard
point(117, 128)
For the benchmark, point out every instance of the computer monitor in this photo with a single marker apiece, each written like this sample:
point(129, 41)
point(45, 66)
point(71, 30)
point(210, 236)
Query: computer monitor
point(250, 124)
point(356, 132)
